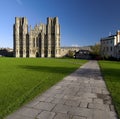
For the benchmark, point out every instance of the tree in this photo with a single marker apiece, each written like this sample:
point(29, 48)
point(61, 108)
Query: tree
point(71, 53)
point(95, 50)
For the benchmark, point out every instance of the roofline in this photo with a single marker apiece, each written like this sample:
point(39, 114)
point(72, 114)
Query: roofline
point(108, 38)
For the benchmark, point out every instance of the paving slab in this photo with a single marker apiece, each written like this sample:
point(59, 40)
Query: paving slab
point(78, 117)
point(81, 95)
point(62, 116)
point(46, 115)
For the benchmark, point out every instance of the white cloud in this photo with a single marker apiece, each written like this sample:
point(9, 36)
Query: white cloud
point(75, 45)
point(19, 2)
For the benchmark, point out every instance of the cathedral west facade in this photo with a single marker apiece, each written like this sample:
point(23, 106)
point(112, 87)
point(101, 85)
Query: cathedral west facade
point(41, 41)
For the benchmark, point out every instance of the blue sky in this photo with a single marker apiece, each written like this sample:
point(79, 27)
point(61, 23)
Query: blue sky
point(83, 22)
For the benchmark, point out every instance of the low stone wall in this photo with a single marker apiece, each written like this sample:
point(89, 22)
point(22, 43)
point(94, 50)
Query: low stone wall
point(64, 50)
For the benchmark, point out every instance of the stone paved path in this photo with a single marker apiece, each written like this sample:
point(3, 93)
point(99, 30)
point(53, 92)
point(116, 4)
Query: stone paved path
point(81, 95)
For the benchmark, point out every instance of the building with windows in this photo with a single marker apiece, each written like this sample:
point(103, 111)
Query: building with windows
point(82, 54)
point(41, 41)
point(117, 49)
point(109, 45)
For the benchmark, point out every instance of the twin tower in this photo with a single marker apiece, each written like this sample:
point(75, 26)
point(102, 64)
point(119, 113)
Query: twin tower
point(41, 41)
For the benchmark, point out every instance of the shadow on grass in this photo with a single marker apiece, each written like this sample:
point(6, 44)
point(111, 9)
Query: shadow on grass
point(112, 73)
point(84, 72)
point(63, 70)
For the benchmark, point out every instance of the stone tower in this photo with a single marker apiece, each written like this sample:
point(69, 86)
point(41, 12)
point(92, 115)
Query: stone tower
point(53, 37)
point(21, 37)
point(41, 41)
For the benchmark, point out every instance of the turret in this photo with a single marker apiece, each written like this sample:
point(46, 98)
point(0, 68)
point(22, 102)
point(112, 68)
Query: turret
point(56, 20)
point(48, 37)
point(16, 37)
point(57, 37)
point(20, 36)
point(24, 31)
point(117, 37)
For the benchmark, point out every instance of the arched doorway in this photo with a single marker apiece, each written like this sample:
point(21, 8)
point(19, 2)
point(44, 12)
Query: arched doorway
point(37, 54)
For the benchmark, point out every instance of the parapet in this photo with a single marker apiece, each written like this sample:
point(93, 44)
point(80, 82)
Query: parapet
point(53, 20)
point(21, 20)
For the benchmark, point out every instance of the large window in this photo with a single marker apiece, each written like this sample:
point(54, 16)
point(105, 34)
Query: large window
point(107, 48)
point(111, 48)
point(33, 42)
point(37, 42)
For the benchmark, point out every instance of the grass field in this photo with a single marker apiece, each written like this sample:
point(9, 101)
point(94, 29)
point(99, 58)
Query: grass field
point(21, 79)
point(111, 73)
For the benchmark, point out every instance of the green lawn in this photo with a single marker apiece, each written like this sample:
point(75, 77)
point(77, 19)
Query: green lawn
point(21, 79)
point(111, 73)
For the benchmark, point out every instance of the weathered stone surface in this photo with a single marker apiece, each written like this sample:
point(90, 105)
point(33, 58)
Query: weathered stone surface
point(50, 99)
point(72, 103)
point(90, 95)
point(46, 115)
point(99, 114)
point(15, 116)
point(98, 106)
point(25, 112)
point(78, 117)
point(83, 112)
point(44, 106)
point(97, 100)
point(62, 116)
point(58, 101)
point(59, 95)
point(30, 112)
point(84, 104)
point(61, 108)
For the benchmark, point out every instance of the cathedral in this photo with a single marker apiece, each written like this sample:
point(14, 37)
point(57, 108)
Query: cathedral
point(41, 41)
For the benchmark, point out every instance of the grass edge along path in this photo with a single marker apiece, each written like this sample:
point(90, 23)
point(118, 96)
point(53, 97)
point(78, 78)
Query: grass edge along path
point(18, 73)
point(111, 74)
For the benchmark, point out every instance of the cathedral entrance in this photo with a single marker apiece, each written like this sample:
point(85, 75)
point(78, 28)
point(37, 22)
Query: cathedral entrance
point(37, 54)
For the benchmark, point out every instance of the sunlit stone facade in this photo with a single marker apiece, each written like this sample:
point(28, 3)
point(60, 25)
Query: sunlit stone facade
point(41, 41)
point(110, 46)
